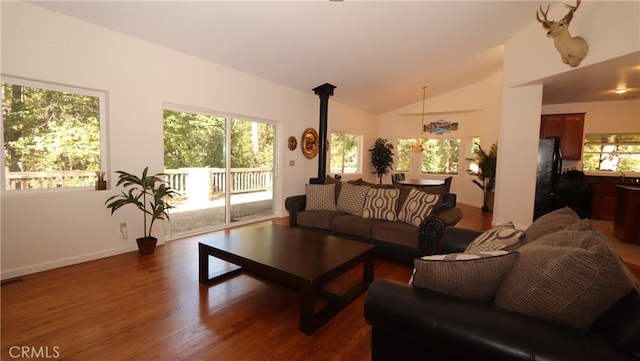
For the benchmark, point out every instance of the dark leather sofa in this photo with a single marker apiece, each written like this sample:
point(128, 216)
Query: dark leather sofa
point(391, 249)
point(410, 323)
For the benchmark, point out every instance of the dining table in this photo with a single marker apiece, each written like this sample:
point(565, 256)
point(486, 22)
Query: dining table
point(421, 182)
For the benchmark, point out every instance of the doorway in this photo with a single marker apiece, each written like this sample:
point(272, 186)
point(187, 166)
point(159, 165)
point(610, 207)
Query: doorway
point(217, 185)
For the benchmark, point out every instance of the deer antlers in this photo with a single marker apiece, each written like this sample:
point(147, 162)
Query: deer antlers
point(566, 20)
point(572, 50)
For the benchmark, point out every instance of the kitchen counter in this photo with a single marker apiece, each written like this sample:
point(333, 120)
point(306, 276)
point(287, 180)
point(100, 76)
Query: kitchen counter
point(605, 194)
point(626, 226)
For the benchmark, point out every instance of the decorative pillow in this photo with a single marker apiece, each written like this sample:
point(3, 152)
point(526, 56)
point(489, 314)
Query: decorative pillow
point(569, 276)
point(497, 238)
point(470, 276)
point(549, 223)
point(320, 197)
point(381, 204)
point(417, 207)
point(351, 199)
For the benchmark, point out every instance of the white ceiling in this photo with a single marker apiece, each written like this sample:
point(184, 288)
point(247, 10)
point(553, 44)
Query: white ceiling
point(378, 54)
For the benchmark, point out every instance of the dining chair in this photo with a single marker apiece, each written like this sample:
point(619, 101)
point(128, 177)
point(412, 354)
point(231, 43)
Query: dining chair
point(447, 183)
point(397, 177)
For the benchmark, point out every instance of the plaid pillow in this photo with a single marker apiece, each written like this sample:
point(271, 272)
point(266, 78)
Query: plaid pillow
point(470, 276)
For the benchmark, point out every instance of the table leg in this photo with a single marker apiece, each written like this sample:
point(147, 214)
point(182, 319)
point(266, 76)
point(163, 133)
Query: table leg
point(307, 305)
point(203, 264)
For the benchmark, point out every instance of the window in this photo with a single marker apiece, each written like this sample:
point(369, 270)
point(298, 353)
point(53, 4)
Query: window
point(345, 153)
point(403, 155)
point(612, 152)
point(474, 146)
point(441, 156)
point(52, 135)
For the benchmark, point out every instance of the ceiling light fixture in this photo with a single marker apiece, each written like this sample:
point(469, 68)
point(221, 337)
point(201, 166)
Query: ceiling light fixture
point(417, 145)
point(621, 90)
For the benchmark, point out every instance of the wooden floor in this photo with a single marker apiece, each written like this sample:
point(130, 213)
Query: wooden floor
point(131, 307)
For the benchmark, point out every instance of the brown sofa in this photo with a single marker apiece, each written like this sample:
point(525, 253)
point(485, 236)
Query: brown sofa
point(395, 239)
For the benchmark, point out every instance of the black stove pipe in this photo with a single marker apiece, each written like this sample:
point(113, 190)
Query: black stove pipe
point(324, 91)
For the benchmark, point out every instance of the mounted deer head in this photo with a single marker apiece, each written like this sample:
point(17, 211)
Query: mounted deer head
point(572, 50)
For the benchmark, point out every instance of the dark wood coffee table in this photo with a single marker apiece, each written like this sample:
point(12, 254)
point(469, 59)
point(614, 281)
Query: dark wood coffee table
point(304, 260)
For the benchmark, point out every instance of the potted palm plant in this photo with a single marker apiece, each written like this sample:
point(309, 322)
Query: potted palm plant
point(381, 157)
point(486, 173)
point(148, 193)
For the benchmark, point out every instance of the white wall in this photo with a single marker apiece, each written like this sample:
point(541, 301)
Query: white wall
point(619, 116)
point(611, 29)
point(475, 107)
point(46, 230)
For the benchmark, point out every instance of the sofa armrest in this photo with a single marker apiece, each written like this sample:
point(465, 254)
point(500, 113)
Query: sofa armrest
point(432, 228)
point(449, 200)
point(465, 329)
point(456, 240)
point(295, 204)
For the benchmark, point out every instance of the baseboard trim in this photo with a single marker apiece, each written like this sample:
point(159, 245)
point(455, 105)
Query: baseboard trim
point(18, 272)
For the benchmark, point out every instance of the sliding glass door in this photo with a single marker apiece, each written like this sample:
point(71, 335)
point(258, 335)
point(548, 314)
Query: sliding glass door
point(218, 184)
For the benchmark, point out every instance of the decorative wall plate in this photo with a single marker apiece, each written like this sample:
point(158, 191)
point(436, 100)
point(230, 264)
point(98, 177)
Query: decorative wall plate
point(293, 143)
point(309, 143)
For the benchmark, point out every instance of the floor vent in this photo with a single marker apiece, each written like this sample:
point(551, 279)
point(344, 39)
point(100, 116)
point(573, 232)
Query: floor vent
point(11, 280)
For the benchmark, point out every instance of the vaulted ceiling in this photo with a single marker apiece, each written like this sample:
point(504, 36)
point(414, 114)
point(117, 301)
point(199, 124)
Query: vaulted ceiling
point(379, 54)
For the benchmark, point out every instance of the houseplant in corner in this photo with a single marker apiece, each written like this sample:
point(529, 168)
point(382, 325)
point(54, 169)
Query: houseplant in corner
point(381, 157)
point(148, 193)
point(486, 173)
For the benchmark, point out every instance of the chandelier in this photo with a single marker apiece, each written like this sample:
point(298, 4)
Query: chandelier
point(417, 145)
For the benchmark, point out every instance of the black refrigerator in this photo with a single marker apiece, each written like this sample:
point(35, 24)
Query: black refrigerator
point(548, 175)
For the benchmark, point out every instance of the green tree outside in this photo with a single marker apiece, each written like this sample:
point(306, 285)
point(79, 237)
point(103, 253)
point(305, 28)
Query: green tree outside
point(50, 130)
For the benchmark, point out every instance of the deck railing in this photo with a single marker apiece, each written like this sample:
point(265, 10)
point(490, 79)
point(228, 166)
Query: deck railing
point(189, 182)
point(55, 179)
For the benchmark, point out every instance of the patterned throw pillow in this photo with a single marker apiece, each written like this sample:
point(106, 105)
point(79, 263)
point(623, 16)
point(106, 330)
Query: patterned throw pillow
point(571, 277)
point(469, 276)
point(351, 199)
point(497, 238)
point(417, 207)
point(549, 223)
point(320, 197)
point(381, 204)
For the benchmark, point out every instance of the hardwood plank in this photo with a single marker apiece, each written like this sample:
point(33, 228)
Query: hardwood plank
point(153, 308)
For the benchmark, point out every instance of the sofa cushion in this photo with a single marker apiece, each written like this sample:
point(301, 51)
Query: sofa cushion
point(549, 223)
point(381, 203)
point(417, 207)
point(571, 276)
point(469, 276)
point(398, 233)
point(502, 236)
point(351, 199)
point(317, 219)
point(353, 225)
point(320, 197)
point(362, 182)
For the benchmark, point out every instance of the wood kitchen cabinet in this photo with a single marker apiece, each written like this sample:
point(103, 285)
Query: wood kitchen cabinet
point(570, 129)
point(604, 201)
